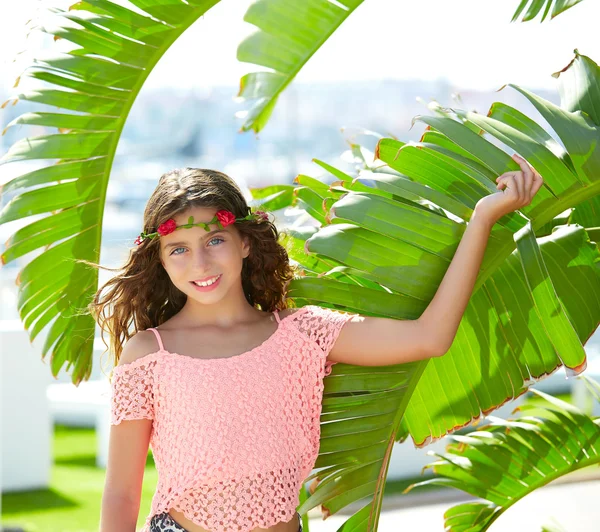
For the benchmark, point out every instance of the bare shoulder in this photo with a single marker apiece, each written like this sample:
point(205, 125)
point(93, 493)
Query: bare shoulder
point(139, 345)
point(288, 312)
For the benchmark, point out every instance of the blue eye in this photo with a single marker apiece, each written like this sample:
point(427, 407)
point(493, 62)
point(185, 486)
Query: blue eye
point(211, 240)
point(217, 238)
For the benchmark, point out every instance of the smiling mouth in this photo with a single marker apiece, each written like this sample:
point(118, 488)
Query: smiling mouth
point(207, 283)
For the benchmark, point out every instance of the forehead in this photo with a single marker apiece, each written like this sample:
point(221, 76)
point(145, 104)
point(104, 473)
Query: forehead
point(193, 234)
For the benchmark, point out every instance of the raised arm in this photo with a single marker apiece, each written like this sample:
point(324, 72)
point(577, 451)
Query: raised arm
point(374, 341)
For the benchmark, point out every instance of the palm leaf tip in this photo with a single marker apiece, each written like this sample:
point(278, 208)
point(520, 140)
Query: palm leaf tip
point(534, 7)
point(289, 34)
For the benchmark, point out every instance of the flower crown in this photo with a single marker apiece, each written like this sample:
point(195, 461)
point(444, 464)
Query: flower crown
point(223, 218)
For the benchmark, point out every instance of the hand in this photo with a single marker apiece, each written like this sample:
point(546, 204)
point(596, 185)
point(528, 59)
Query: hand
point(519, 189)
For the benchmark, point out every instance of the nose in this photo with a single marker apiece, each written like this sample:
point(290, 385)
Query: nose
point(201, 262)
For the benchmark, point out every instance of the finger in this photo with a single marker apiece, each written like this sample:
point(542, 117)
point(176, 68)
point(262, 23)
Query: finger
point(513, 172)
point(529, 185)
point(529, 189)
point(518, 181)
point(528, 181)
point(511, 188)
point(502, 180)
point(538, 182)
point(521, 180)
point(525, 166)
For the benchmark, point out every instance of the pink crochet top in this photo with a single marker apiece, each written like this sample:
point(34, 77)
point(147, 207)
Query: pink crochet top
point(233, 438)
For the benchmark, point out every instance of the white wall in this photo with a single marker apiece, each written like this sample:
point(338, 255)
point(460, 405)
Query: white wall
point(25, 421)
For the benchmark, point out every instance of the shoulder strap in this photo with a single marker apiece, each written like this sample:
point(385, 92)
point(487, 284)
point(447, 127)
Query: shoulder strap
point(160, 344)
point(276, 312)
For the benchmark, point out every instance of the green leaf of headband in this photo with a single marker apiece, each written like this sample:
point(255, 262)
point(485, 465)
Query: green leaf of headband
point(222, 218)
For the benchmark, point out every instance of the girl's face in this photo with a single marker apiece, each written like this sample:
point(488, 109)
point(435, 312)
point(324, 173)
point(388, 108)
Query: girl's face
point(194, 254)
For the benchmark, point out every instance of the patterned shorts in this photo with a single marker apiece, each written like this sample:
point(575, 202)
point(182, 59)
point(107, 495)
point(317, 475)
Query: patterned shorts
point(165, 523)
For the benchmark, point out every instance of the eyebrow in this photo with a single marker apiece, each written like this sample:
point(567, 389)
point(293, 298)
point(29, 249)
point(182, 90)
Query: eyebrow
point(182, 243)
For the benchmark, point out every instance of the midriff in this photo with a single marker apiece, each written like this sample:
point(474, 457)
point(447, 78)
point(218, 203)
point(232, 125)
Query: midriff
point(282, 526)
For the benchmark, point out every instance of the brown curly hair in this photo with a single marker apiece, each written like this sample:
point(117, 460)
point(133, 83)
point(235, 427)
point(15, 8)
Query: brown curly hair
point(143, 295)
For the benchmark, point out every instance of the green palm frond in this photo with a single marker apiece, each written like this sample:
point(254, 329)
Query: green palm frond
point(407, 250)
point(115, 51)
point(290, 32)
point(509, 459)
point(358, 415)
point(382, 250)
point(535, 303)
point(555, 7)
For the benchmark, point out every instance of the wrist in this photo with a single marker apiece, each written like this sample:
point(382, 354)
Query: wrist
point(481, 220)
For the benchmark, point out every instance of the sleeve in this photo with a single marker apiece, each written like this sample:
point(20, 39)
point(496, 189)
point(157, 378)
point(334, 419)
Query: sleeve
point(323, 326)
point(132, 391)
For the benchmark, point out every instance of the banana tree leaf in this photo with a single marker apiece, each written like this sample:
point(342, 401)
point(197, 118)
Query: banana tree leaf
point(506, 339)
point(364, 158)
point(587, 213)
point(594, 234)
point(535, 6)
point(263, 192)
point(311, 193)
point(578, 87)
point(509, 459)
point(318, 186)
point(111, 33)
point(576, 130)
point(447, 112)
point(491, 364)
point(547, 305)
point(289, 34)
point(436, 139)
point(562, 219)
point(399, 188)
point(311, 201)
point(294, 240)
point(100, 79)
point(272, 201)
point(514, 118)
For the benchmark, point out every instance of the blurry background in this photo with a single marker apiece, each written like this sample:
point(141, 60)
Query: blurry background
point(378, 70)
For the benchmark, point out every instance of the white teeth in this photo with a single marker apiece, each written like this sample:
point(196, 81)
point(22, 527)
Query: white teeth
point(207, 283)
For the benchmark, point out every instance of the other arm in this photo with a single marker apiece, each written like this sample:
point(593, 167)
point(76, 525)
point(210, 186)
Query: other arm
point(374, 341)
point(128, 449)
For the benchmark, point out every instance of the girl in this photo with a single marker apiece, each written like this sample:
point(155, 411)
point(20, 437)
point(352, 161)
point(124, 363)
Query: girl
point(227, 394)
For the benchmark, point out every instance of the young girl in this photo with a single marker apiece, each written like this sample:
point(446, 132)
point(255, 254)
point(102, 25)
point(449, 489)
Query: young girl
point(227, 394)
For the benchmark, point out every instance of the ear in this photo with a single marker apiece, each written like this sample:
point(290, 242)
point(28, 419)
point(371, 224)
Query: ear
point(245, 246)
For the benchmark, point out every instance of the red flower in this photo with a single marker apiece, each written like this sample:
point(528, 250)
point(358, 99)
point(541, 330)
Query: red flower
point(263, 215)
point(139, 240)
point(225, 217)
point(167, 227)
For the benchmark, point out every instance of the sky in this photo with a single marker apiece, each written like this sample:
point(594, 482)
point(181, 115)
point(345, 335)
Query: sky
point(471, 43)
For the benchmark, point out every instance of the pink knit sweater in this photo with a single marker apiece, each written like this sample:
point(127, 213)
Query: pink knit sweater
point(233, 438)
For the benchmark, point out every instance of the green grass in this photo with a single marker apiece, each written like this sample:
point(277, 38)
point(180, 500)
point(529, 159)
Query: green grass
point(72, 503)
